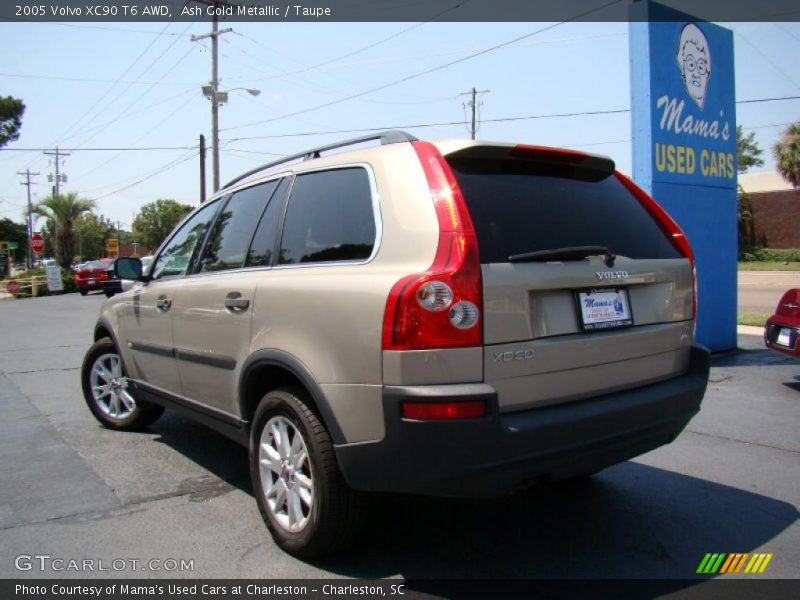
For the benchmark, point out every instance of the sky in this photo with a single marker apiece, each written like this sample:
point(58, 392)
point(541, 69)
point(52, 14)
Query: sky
point(94, 86)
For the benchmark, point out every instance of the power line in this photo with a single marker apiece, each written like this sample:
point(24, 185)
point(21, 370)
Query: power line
point(149, 88)
point(86, 79)
point(160, 171)
point(91, 109)
point(428, 71)
point(119, 149)
point(138, 139)
point(496, 120)
point(767, 99)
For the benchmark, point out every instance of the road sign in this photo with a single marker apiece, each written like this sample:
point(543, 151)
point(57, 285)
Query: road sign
point(112, 244)
point(37, 243)
point(13, 245)
point(12, 287)
point(4, 246)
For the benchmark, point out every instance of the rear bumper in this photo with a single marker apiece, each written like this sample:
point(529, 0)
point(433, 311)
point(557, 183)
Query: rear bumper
point(501, 453)
point(772, 331)
point(83, 284)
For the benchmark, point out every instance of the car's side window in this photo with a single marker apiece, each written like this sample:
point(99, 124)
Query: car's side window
point(177, 255)
point(233, 229)
point(329, 218)
point(263, 245)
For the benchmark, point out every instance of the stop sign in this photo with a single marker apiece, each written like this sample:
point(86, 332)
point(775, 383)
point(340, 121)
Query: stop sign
point(12, 287)
point(37, 242)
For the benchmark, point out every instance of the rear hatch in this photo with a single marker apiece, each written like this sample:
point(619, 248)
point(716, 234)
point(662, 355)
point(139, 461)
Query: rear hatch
point(585, 289)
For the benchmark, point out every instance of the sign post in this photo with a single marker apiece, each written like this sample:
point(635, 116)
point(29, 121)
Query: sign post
point(684, 148)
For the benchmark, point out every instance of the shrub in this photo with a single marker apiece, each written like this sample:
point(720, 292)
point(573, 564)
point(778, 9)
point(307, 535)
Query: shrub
point(778, 254)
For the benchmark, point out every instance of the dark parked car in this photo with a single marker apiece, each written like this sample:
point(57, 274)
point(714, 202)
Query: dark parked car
point(112, 285)
point(783, 328)
point(91, 275)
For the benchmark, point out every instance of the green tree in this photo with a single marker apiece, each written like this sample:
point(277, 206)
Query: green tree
point(11, 111)
point(63, 211)
point(748, 154)
point(14, 232)
point(156, 220)
point(787, 154)
point(91, 233)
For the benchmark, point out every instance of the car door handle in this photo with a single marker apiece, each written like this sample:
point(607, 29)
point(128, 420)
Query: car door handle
point(236, 303)
point(163, 303)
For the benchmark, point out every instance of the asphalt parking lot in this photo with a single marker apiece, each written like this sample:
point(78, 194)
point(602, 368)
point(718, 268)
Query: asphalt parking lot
point(74, 490)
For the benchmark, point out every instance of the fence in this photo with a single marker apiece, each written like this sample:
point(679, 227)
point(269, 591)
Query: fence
point(28, 287)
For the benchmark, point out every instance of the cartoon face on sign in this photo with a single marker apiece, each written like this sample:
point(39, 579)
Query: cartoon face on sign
point(694, 62)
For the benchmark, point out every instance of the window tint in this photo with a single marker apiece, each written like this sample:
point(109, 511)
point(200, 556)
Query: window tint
point(523, 206)
point(234, 228)
point(177, 255)
point(260, 254)
point(329, 218)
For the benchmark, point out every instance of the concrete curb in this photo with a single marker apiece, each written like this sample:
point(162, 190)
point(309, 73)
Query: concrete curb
point(749, 330)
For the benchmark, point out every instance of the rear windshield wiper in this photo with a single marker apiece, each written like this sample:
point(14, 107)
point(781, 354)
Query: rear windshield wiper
point(570, 253)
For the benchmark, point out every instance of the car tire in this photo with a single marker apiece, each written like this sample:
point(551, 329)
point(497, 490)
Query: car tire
point(107, 393)
point(306, 504)
point(108, 293)
point(83, 292)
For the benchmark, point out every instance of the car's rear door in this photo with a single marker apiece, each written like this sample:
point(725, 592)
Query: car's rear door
point(563, 318)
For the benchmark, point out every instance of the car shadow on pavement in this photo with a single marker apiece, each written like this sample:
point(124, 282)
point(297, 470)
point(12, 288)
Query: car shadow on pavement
point(630, 521)
point(224, 458)
point(751, 358)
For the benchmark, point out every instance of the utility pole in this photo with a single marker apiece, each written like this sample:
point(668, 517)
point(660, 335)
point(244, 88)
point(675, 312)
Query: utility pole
point(212, 90)
point(119, 239)
point(473, 104)
point(27, 174)
point(57, 154)
point(202, 168)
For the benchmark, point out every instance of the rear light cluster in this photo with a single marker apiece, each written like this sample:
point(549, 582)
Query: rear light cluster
point(440, 308)
point(443, 411)
point(669, 226)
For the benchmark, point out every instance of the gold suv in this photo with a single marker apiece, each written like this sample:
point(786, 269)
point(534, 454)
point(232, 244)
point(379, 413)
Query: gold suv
point(456, 318)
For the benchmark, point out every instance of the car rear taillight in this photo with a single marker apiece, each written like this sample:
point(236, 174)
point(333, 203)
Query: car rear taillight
point(440, 411)
point(440, 308)
point(668, 225)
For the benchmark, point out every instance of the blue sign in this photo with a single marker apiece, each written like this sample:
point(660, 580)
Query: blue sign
point(684, 148)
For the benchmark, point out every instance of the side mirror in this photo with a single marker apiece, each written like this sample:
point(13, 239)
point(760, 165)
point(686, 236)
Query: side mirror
point(128, 268)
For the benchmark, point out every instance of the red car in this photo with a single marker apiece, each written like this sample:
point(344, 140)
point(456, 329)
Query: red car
point(91, 276)
point(782, 332)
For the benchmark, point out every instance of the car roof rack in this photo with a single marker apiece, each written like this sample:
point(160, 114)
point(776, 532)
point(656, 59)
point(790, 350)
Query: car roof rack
point(386, 137)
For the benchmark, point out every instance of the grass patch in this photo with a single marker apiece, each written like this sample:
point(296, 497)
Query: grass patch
point(768, 265)
point(753, 319)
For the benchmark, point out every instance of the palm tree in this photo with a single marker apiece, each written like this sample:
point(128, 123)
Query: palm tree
point(787, 154)
point(63, 210)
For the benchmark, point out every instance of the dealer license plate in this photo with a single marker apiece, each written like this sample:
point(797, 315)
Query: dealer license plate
point(91, 282)
point(785, 338)
point(604, 308)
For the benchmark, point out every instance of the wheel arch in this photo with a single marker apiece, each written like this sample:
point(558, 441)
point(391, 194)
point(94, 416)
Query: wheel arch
point(269, 369)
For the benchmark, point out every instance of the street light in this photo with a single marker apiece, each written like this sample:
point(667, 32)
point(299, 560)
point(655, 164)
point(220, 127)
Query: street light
point(219, 97)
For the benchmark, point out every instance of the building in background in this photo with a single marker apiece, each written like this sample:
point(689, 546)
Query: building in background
point(775, 209)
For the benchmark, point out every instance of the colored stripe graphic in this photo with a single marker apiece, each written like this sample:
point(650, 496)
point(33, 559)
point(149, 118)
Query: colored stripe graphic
point(711, 563)
point(734, 563)
point(758, 563)
point(722, 563)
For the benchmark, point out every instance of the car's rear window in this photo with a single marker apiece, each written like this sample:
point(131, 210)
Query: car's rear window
point(98, 264)
point(520, 206)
